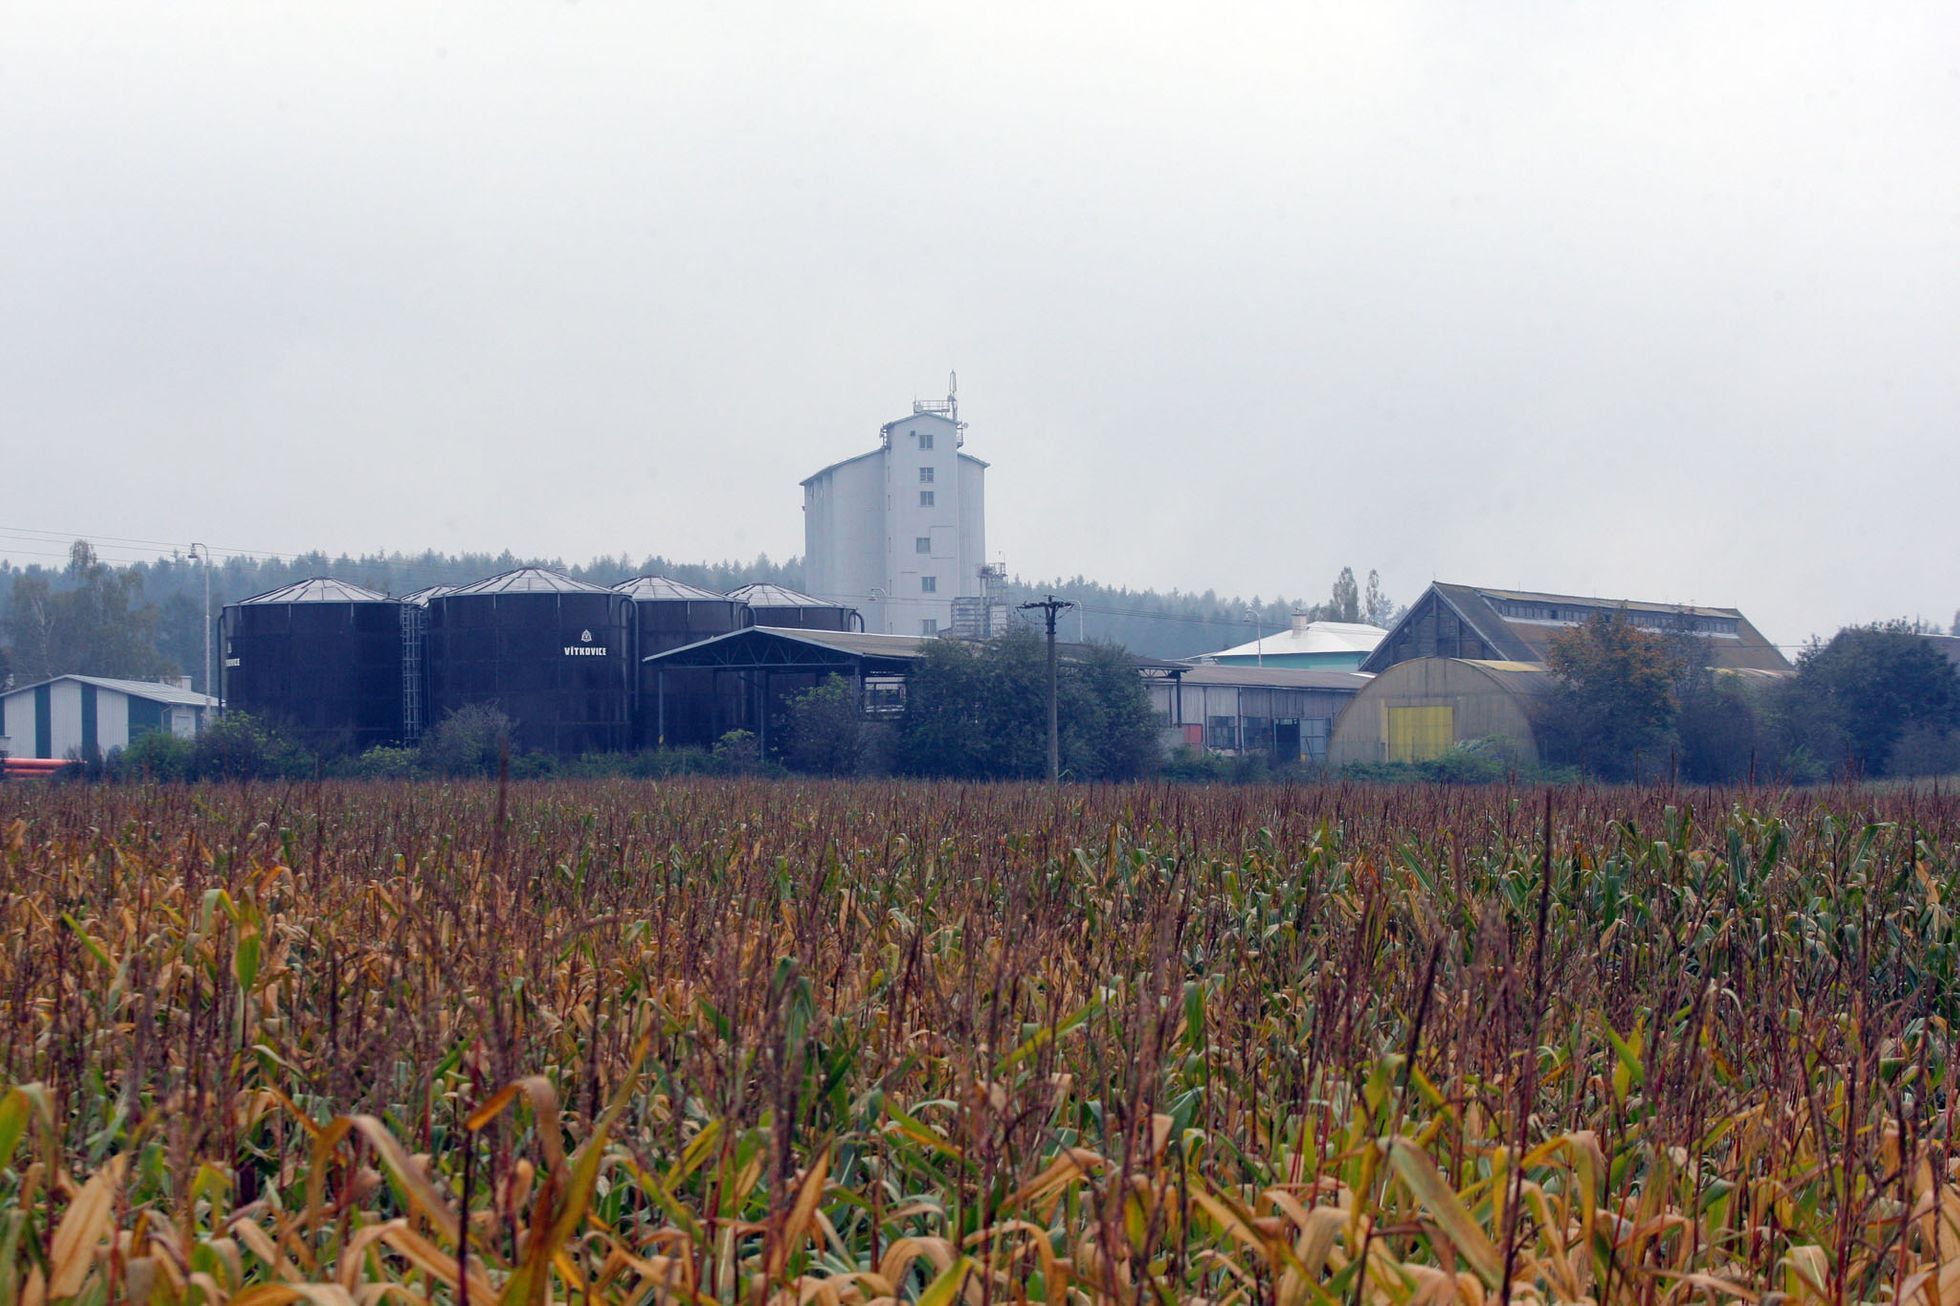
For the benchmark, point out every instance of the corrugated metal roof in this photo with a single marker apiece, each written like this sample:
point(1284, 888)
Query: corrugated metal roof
point(1518, 677)
point(528, 580)
point(851, 643)
point(665, 589)
point(145, 689)
point(319, 589)
point(1529, 641)
point(1316, 637)
point(1631, 605)
point(777, 596)
point(857, 643)
point(1753, 674)
point(1325, 678)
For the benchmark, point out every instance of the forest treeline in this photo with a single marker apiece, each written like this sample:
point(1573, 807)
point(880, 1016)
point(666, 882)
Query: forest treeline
point(144, 619)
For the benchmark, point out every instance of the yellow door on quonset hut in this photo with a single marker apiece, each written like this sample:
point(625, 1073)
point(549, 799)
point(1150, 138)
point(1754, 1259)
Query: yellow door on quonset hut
point(1416, 734)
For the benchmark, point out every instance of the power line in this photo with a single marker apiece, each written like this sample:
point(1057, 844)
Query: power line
point(26, 532)
point(45, 553)
point(128, 542)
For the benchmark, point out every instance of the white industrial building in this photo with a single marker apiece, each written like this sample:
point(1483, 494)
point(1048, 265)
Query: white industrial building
point(1285, 713)
point(88, 716)
point(1337, 645)
point(900, 533)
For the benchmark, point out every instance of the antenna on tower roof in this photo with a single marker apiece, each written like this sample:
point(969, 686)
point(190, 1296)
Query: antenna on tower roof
point(952, 398)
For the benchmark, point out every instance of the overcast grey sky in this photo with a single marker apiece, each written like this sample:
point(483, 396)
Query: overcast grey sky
point(1649, 300)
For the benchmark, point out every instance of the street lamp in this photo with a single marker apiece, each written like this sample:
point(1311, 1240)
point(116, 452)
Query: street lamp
point(202, 552)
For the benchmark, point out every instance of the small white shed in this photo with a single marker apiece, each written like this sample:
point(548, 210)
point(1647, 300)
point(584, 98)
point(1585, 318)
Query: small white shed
point(81, 716)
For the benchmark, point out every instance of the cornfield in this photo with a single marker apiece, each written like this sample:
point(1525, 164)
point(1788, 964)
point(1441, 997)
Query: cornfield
point(774, 1042)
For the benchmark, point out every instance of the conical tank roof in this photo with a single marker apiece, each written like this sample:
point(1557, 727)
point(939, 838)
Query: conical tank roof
point(777, 596)
point(528, 580)
point(665, 589)
point(319, 589)
point(420, 598)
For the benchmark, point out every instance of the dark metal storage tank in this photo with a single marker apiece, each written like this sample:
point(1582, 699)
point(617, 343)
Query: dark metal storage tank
point(774, 605)
point(669, 614)
point(320, 659)
point(555, 654)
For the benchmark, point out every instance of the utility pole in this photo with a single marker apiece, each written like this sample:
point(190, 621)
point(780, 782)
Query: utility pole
point(202, 552)
point(1050, 608)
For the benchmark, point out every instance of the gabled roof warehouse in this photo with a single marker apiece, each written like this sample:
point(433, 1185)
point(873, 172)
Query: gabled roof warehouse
point(1480, 624)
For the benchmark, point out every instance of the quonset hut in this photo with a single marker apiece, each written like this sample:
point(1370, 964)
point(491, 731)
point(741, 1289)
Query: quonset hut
point(670, 614)
point(774, 605)
point(551, 652)
point(321, 659)
point(1422, 708)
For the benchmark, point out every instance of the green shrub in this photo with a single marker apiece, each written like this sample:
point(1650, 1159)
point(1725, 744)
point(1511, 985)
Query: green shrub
point(739, 750)
point(382, 763)
point(472, 740)
point(238, 746)
point(154, 755)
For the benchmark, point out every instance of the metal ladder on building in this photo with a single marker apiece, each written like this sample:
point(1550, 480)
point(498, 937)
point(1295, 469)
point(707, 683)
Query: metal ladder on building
point(412, 622)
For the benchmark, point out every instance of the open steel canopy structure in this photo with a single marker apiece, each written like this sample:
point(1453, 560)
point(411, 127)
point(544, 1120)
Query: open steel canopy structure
point(774, 663)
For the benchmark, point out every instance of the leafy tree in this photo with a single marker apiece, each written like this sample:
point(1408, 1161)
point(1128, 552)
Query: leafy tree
point(1109, 731)
point(830, 735)
point(1377, 609)
point(1613, 703)
point(1855, 698)
point(1346, 602)
point(96, 623)
point(1719, 723)
point(980, 711)
point(974, 711)
point(1925, 750)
